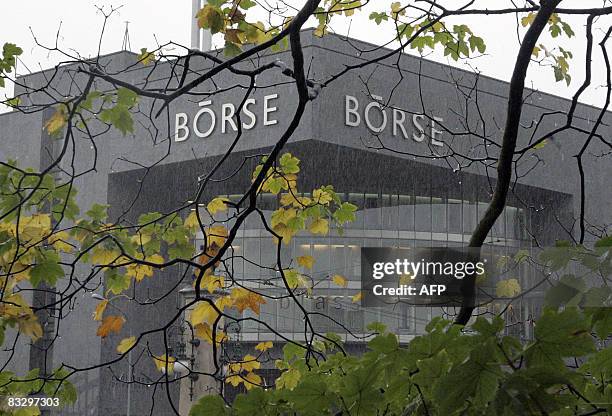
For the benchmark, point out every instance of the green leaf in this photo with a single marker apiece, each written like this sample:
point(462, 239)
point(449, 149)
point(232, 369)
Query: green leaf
point(126, 97)
point(385, 344)
point(47, 269)
point(97, 212)
point(559, 335)
point(209, 405)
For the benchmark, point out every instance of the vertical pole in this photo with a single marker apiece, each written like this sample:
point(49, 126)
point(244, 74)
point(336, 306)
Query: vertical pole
point(195, 30)
point(200, 39)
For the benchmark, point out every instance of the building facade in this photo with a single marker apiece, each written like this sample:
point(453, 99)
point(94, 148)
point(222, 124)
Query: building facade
point(389, 137)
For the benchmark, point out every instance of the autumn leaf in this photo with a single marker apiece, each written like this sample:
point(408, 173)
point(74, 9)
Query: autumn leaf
point(138, 271)
point(244, 299)
point(217, 205)
point(339, 280)
point(156, 259)
point(319, 226)
point(248, 364)
point(252, 380)
point(306, 261)
point(508, 288)
point(97, 315)
point(204, 332)
point(216, 236)
point(203, 312)
point(211, 282)
point(126, 344)
point(357, 297)
point(146, 57)
point(103, 257)
point(263, 346)
point(191, 222)
point(30, 327)
point(110, 324)
point(57, 121)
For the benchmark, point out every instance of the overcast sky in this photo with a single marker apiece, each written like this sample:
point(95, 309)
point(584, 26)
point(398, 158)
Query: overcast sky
point(154, 22)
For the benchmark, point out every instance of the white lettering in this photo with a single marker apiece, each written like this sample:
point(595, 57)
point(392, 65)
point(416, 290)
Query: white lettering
point(249, 114)
point(435, 133)
point(398, 121)
point(351, 105)
point(267, 110)
point(227, 116)
point(366, 115)
point(419, 127)
point(196, 120)
point(180, 125)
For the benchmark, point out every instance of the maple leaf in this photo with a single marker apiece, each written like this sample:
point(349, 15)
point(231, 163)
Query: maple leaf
point(244, 299)
point(306, 261)
point(319, 226)
point(263, 346)
point(30, 327)
point(216, 236)
point(252, 380)
point(126, 344)
point(339, 280)
point(146, 57)
point(97, 315)
point(112, 323)
point(205, 332)
point(203, 312)
point(191, 222)
point(217, 205)
point(57, 121)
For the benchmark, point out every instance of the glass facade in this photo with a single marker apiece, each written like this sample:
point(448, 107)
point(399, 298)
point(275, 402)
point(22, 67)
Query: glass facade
point(382, 220)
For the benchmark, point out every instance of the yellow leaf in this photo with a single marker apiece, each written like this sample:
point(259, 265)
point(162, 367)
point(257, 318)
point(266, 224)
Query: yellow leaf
point(138, 271)
point(126, 344)
point(110, 324)
point(508, 288)
point(203, 312)
point(97, 315)
point(263, 346)
point(306, 261)
point(156, 259)
point(252, 380)
point(103, 257)
point(216, 236)
point(217, 205)
point(146, 57)
point(191, 221)
point(57, 121)
point(321, 197)
point(211, 282)
point(356, 298)
point(319, 226)
point(339, 280)
point(30, 327)
point(248, 363)
point(234, 380)
point(244, 298)
point(163, 361)
point(59, 241)
point(205, 333)
point(224, 302)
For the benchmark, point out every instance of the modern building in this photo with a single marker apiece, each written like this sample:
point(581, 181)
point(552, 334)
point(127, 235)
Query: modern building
point(382, 135)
